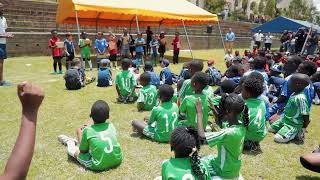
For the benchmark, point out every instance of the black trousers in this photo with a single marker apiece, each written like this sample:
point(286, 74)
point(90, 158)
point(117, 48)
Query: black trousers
point(176, 57)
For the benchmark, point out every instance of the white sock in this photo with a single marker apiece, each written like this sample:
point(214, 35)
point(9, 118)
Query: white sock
point(90, 64)
point(83, 64)
point(72, 148)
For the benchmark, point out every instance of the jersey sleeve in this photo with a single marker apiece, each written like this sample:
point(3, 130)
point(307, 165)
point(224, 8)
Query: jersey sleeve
point(303, 106)
point(183, 90)
point(117, 79)
point(183, 106)
point(214, 138)
point(163, 170)
point(84, 144)
point(141, 98)
point(153, 116)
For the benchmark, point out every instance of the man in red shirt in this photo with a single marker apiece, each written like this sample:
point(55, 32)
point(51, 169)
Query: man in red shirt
point(176, 48)
point(56, 52)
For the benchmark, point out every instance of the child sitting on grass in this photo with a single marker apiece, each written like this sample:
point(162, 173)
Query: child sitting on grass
point(295, 119)
point(186, 164)
point(165, 74)
point(148, 95)
point(214, 74)
point(148, 68)
point(126, 84)
point(229, 141)
point(228, 58)
point(252, 89)
point(75, 77)
point(275, 82)
point(163, 119)
point(104, 74)
point(99, 149)
point(188, 106)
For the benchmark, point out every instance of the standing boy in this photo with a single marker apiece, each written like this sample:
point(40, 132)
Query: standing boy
point(85, 48)
point(56, 52)
point(154, 44)
point(100, 47)
point(69, 50)
point(139, 43)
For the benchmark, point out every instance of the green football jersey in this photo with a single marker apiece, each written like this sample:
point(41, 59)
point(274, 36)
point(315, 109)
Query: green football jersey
point(188, 106)
point(216, 100)
point(164, 120)
point(230, 144)
point(149, 97)
point(186, 90)
point(180, 169)
point(100, 141)
point(296, 107)
point(125, 80)
point(85, 49)
point(256, 130)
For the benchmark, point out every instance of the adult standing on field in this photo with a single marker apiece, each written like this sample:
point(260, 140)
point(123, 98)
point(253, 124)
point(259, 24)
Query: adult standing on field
point(230, 37)
point(3, 42)
point(257, 38)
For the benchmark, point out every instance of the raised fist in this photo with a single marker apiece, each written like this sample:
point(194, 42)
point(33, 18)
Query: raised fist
point(30, 96)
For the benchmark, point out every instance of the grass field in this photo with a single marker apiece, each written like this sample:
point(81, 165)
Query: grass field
point(63, 111)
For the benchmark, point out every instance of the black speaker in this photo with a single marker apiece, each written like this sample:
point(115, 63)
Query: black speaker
point(209, 29)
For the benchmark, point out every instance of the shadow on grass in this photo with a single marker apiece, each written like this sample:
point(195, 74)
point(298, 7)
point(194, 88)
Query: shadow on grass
point(307, 177)
point(252, 153)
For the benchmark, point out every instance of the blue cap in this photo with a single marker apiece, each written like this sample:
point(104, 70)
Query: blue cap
point(166, 62)
point(105, 61)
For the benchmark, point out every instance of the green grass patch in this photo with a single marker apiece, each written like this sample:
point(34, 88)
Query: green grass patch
point(63, 111)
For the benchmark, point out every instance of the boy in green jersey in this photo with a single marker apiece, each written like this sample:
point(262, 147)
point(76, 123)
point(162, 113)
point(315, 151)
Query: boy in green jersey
point(295, 119)
point(99, 149)
point(186, 164)
point(163, 118)
point(229, 140)
point(148, 95)
point(85, 49)
point(126, 84)
point(188, 106)
point(251, 90)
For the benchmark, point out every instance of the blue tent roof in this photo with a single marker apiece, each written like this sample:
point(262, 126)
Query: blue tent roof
point(279, 24)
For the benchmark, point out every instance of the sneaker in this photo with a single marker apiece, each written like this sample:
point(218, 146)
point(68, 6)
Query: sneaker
point(53, 73)
point(64, 139)
point(60, 72)
point(5, 83)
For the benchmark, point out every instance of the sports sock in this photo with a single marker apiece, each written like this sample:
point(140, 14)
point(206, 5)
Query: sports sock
point(90, 64)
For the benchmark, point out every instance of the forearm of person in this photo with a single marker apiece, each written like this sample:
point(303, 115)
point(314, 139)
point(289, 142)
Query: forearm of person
point(132, 91)
point(306, 121)
point(200, 126)
point(21, 156)
point(118, 90)
point(281, 99)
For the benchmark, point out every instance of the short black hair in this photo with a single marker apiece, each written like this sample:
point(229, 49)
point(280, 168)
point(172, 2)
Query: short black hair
point(53, 30)
point(165, 92)
point(308, 68)
point(316, 77)
point(201, 79)
point(259, 62)
point(148, 66)
point(235, 69)
point(196, 65)
point(125, 63)
point(227, 86)
point(254, 84)
point(292, 64)
point(145, 77)
point(298, 82)
point(75, 61)
point(179, 84)
point(100, 111)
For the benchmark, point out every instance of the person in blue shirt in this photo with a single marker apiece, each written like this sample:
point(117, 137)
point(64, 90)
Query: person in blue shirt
point(230, 37)
point(306, 67)
point(104, 74)
point(69, 50)
point(101, 45)
point(275, 82)
point(316, 83)
point(155, 79)
point(165, 74)
point(139, 43)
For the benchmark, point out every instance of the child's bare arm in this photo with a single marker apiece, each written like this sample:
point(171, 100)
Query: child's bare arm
point(199, 119)
point(132, 91)
point(306, 121)
point(31, 97)
point(118, 90)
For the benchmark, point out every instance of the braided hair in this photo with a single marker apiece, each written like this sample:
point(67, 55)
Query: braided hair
point(233, 102)
point(185, 142)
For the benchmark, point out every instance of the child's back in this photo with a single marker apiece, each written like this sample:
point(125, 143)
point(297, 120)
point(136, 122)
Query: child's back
point(181, 168)
point(125, 80)
point(72, 79)
point(164, 120)
point(148, 96)
point(104, 77)
point(188, 106)
point(101, 141)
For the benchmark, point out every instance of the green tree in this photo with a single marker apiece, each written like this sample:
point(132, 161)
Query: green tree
point(244, 5)
point(253, 7)
point(270, 9)
point(261, 7)
point(214, 6)
point(298, 9)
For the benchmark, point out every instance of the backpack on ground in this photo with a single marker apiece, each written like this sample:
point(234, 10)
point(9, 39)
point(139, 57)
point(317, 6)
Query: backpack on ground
point(214, 77)
point(73, 80)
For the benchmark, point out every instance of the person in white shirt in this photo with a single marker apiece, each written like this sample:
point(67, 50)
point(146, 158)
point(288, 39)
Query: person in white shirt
point(257, 37)
point(228, 58)
point(3, 37)
point(268, 41)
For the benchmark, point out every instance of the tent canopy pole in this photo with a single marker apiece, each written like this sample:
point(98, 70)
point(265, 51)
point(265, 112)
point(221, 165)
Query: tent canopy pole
point(222, 40)
point(305, 42)
point(137, 21)
point(78, 26)
point(185, 30)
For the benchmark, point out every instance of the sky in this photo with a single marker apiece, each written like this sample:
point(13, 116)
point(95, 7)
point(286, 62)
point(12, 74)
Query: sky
point(317, 4)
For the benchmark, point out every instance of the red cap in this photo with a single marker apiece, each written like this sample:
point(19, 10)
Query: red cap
point(210, 62)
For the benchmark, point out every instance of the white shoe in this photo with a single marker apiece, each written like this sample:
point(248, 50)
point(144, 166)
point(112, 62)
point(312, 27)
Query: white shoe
point(64, 139)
